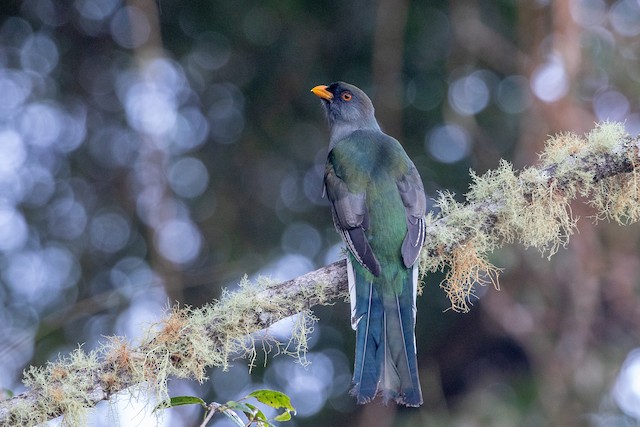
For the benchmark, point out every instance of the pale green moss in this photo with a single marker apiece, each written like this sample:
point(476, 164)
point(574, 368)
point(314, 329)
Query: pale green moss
point(618, 198)
point(545, 221)
point(500, 188)
point(464, 223)
point(605, 136)
point(299, 342)
point(469, 267)
point(493, 185)
point(25, 414)
point(64, 387)
point(458, 217)
point(180, 346)
point(532, 207)
point(560, 147)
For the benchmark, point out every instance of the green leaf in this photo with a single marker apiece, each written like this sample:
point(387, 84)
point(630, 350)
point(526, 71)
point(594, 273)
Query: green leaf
point(285, 416)
point(273, 398)
point(238, 406)
point(234, 417)
point(255, 414)
point(186, 400)
point(179, 401)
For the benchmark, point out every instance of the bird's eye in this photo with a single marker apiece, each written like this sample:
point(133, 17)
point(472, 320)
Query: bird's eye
point(347, 96)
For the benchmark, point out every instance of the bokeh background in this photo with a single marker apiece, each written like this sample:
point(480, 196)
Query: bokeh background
point(154, 152)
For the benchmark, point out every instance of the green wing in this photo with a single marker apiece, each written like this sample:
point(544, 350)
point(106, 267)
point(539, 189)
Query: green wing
point(352, 165)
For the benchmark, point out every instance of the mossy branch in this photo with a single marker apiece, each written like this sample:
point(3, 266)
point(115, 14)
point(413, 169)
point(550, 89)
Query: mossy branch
point(531, 207)
point(182, 345)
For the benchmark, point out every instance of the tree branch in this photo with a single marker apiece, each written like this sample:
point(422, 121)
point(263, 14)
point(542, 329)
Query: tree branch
point(530, 207)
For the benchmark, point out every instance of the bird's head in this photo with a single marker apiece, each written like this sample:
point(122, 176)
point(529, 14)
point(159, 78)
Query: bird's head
point(347, 107)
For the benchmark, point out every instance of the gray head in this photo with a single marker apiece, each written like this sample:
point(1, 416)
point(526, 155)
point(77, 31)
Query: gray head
point(348, 109)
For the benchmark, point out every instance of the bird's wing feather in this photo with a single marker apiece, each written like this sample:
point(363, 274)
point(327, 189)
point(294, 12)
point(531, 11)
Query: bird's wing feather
point(351, 218)
point(415, 204)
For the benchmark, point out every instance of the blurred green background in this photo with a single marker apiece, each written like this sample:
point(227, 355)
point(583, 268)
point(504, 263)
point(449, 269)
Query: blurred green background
point(156, 152)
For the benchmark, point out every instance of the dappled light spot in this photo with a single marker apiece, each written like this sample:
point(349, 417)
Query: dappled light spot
point(190, 131)
point(109, 231)
point(146, 308)
point(66, 218)
point(15, 87)
point(13, 153)
point(287, 267)
point(13, 229)
point(301, 238)
point(310, 386)
point(39, 54)
point(178, 240)
point(588, 13)
point(41, 123)
point(611, 105)
point(150, 108)
point(96, 10)
point(39, 276)
point(624, 17)
point(37, 185)
point(130, 27)
point(448, 143)
point(549, 80)
point(131, 275)
point(469, 95)
point(188, 177)
point(626, 390)
point(232, 382)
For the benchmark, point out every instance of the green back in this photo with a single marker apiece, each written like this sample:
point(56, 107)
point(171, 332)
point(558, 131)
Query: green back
point(372, 162)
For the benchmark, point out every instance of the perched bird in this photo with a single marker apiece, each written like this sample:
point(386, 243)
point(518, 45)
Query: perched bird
point(378, 205)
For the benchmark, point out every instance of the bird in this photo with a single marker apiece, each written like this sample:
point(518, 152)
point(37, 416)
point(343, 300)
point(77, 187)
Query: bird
point(378, 206)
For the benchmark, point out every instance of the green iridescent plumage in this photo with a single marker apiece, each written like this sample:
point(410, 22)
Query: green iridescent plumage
point(378, 206)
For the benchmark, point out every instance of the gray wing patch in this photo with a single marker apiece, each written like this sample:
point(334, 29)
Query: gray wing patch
point(415, 204)
point(351, 219)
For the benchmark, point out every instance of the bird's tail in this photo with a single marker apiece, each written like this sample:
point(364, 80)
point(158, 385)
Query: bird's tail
point(385, 360)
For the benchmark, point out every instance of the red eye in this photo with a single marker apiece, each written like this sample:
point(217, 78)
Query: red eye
point(347, 96)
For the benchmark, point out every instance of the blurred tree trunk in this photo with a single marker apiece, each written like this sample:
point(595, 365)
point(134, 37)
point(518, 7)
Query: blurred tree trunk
point(151, 170)
point(572, 284)
point(388, 57)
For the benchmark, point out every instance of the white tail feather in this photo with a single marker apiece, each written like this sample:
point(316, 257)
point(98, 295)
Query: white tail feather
point(366, 336)
point(351, 280)
point(404, 342)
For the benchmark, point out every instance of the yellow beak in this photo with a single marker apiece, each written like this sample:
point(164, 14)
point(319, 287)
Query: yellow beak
point(322, 92)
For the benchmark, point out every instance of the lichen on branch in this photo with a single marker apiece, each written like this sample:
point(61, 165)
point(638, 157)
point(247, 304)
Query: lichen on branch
point(182, 345)
point(531, 207)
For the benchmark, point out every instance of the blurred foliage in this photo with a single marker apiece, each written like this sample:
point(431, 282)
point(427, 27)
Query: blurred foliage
point(156, 152)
